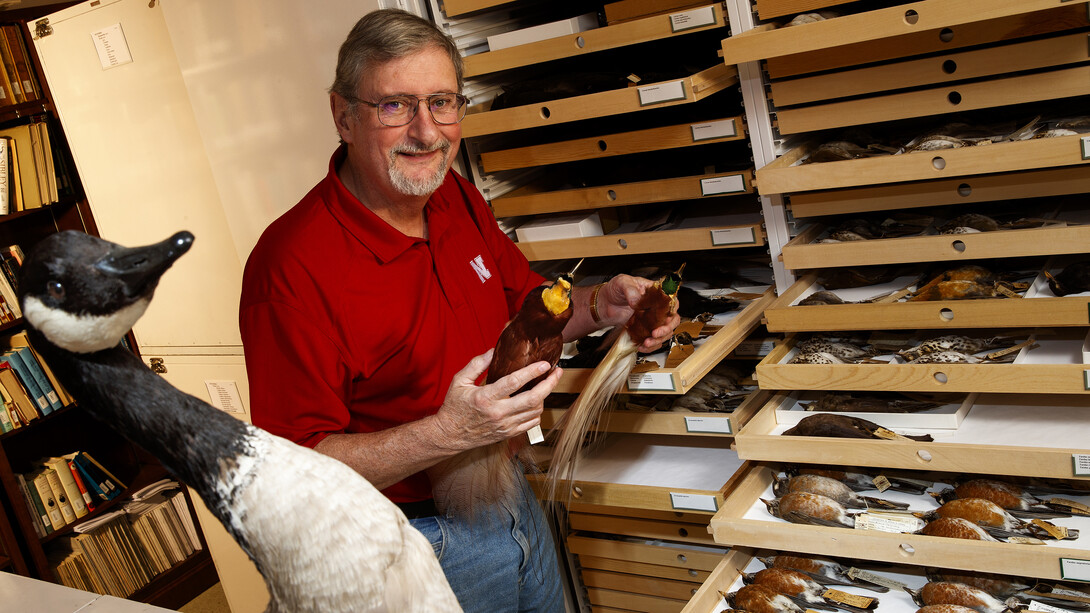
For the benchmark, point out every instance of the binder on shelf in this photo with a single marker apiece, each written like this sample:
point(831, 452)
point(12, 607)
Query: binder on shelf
point(101, 482)
point(71, 489)
point(21, 339)
point(60, 495)
point(49, 500)
point(28, 82)
point(30, 383)
point(81, 483)
point(42, 525)
point(28, 189)
point(5, 168)
point(13, 388)
point(37, 370)
point(7, 292)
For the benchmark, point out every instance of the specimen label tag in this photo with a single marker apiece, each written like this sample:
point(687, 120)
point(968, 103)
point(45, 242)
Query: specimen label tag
point(651, 381)
point(1057, 532)
point(1074, 569)
point(1040, 606)
point(854, 600)
point(733, 236)
point(713, 129)
point(869, 577)
point(890, 434)
point(716, 425)
point(1082, 462)
point(696, 18)
point(1025, 540)
point(661, 92)
point(728, 184)
point(695, 502)
point(899, 524)
point(1077, 508)
point(881, 483)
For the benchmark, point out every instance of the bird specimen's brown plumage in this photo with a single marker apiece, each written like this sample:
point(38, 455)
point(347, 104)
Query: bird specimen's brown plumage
point(484, 476)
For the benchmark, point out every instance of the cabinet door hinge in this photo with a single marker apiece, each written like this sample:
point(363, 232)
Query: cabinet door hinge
point(42, 28)
point(158, 365)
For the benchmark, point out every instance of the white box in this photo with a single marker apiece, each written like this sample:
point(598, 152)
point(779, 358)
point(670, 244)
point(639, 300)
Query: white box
point(564, 226)
point(543, 32)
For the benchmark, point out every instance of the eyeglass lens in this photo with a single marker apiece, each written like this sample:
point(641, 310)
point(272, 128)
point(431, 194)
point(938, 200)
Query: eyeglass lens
point(400, 110)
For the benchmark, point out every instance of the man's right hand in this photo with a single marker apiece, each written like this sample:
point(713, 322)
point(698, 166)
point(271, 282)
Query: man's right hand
point(473, 416)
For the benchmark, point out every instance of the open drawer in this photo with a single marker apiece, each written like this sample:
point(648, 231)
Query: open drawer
point(785, 175)
point(1044, 433)
point(1039, 307)
point(1059, 364)
point(735, 327)
point(630, 99)
point(634, 32)
point(674, 422)
point(744, 521)
point(1069, 233)
point(655, 473)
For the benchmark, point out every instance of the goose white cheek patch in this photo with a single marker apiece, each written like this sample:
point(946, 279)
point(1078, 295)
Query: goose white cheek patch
point(82, 333)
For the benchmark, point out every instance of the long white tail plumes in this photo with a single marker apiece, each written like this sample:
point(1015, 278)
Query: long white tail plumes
point(585, 412)
point(473, 480)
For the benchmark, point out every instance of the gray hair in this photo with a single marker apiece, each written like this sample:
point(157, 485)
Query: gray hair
point(384, 35)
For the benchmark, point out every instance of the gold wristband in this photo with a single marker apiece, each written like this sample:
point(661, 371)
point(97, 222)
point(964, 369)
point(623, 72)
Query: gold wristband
point(594, 304)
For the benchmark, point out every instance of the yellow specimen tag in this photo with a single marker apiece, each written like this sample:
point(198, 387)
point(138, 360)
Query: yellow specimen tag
point(854, 600)
point(1057, 532)
point(881, 483)
point(890, 435)
point(1077, 508)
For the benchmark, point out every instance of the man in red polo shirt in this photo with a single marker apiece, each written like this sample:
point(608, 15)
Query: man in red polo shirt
point(368, 311)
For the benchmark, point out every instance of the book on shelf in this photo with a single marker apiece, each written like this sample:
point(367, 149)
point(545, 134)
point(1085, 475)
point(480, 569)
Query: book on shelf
point(27, 184)
point(5, 202)
point(13, 388)
point(40, 482)
point(7, 292)
point(30, 383)
point(98, 479)
point(20, 340)
point(50, 179)
point(11, 74)
point(81, 483)
point(42, 525)
point(61, 496)
point(16, 46)
point(68, 482)
point(6, 424)
point(37, 371)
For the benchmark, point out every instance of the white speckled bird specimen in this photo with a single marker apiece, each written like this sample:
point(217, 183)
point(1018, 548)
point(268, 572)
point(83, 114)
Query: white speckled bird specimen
point(322, 536)
point(837, 490)
point(823, 570)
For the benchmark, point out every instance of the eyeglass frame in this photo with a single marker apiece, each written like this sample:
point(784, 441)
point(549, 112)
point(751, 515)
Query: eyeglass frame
point(416, 107)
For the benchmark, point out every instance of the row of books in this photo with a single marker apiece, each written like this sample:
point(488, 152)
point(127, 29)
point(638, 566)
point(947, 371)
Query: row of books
point(11, 261)
point(28, 386)
point(123, 550)
point(31, 176)
point(18, 81)
point(62, 489)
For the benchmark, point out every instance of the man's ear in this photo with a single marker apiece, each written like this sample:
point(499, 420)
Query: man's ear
point(343, 114)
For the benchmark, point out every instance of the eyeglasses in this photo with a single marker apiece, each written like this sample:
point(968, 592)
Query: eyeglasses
point(399, 110)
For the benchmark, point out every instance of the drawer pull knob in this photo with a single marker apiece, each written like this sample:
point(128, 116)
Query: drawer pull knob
point(682, 532)
point(965, 190)
point(580, 42)
point(954, 98)
point(941, 377)
point(681, 558)
point(602, 145)
point(576, 492)
point(924, 454)
point(946, 314)
point(949, 66)
point(946, 35)
point(611, 194)
point(911, 17)
point(545, 112)
point(909, 549)
point(622, 243)
point(693, 573)
point(958, 246)
point(938, 163)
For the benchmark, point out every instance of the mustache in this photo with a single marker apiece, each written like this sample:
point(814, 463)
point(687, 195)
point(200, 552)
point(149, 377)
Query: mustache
point(439, 145)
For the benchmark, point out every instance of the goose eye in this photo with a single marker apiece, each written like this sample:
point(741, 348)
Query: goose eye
point(55, 290)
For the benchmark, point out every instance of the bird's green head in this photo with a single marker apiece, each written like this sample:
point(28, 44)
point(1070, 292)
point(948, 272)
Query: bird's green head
point(670, 284)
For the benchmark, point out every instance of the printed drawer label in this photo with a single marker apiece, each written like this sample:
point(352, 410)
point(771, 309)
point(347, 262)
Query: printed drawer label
point(661, 92)
point(733, 236)
point(696, 18)
point(713, 129)
point(651, 382)
point(728, 184)
point(1073, 569)
point(1085, 141)
point(696, 502)
point(717, 425)
point(1081, 463)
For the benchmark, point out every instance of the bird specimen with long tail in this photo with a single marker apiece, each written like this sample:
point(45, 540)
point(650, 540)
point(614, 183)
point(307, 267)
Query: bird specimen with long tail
point(654, 309)
point(484, 476)
point(322, 536)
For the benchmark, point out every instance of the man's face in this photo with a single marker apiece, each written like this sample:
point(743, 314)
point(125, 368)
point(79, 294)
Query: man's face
point(410, 159)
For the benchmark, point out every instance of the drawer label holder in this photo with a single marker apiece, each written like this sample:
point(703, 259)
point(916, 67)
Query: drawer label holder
point(1080, 464)
point(651, 382)
point(694, 502)
point(661, 92)
point(1074, 569)
point(696, 18)
point(714, 425)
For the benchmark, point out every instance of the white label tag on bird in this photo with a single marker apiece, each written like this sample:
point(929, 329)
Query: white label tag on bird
point(661, 92)
point(888, 523)
point(1081, 463)
point(854, 600)
point(1040, 606)
point(535, 435)
point(713, 129)
point(651, 382)
point(679, 22)
point(1025, 540)
point(224, 396)
point(727, 184)
point(714, 425)
point(1073, 569)
point(869, 577)
point(694, 502)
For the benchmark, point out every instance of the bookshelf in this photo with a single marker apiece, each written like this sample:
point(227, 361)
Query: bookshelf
point(22, 549)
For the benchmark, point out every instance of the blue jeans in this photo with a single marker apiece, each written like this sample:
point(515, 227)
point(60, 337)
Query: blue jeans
point(504, 561)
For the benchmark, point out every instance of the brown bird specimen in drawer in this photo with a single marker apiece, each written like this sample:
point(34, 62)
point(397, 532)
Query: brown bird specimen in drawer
point(837, 490)
point(861, 481)
point(822, 298)
point(850, 402)
point(954, 342)
point(761, 599)
point(945, 608)
point(1073, 279)
point(844, 426)
point(813, 509)
point(969, 223)
point(992, 583)
point(1012, 497)
point(844, 350)
point(946, 592)
point(965, 282)
point(823, 570)
point(994, 519)
point(801, 588)
point(956, 527)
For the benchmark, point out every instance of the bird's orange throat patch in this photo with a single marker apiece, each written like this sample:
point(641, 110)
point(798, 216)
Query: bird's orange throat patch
point(557, 297)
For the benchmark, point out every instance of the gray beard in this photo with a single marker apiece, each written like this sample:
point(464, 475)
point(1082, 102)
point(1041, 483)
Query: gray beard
point(417, 187)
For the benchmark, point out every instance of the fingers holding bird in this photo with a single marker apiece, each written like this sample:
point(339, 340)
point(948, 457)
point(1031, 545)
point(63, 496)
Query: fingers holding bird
point(622, 297)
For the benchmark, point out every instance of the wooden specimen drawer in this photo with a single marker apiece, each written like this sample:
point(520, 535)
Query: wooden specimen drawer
point(679, 423)
point(630, 99)
point(767, 9)
point(962, 190)
point(736, 326)
point(957, 97)
point(654, 473)
point(784, 176)
point(1062, 17)
point(592, 41)
point(1060, 364)
point(453, 8)
point(609, 145)
point(744, 521)
point(925, 16)
point(683, 529)
point(1044, 433)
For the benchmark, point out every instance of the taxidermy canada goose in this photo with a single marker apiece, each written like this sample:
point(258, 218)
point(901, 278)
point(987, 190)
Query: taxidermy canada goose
point(321, 535)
